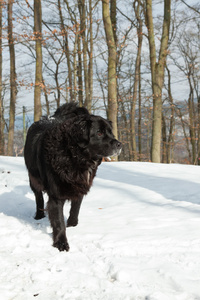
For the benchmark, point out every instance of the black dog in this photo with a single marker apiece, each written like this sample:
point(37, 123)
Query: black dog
point(62, 154)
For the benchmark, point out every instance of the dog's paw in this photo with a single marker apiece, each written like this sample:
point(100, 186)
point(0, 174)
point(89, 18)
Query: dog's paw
point(39, 215)
point(72, 222)
point(62, 245)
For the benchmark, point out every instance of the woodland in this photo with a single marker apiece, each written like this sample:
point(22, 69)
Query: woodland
point(135, 62)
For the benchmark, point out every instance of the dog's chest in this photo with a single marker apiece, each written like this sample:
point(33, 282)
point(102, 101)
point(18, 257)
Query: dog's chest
point(89, 174)
point(79, 183)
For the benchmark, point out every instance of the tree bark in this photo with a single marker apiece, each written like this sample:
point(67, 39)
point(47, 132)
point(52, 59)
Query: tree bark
point(136, 78)
point(164, 140)
point(67, 53)
point(82, 12)
point(46, 99)
point(90, 72)
point(113, 17)
point(38, 67)
point(13, 83)
point(75, 65)
point(192, 126)
point(170, 142)
point(79, 73)
point(157, 73)
point(198, 133)
point(1, 95)
point(140, 118)
point(185, 134)
point(112, 58)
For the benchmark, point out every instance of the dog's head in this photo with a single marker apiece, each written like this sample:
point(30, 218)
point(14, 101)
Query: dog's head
point(94, 134)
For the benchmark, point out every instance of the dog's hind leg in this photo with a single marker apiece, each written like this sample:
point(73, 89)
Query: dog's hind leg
point(56, 217)
point(39, 206)
point(74, 212)
point(38, 198)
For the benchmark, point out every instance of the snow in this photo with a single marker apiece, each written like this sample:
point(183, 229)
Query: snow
point(138, 237)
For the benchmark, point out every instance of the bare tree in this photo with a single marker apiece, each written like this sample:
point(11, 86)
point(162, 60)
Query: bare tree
point(13, 82)
point(1, 82)
point(82, 12)
point(188, 46)
point(138, 13)
point(64, 32)
point(38, 67)
point(170, 141)
point(90, 71)
point(112, 58)
point(157, 72)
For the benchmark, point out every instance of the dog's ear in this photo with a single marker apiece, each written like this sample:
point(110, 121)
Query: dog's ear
point(80, 131)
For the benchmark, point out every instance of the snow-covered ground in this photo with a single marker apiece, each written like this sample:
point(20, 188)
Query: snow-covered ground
point(138, 237)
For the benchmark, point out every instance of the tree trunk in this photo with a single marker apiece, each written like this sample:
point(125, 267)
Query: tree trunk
point(198, 143)
point(149, 123)
point(13, 83)
point(140, 118)
point(79, 73)
point(46, 99)
point(157, 73)
point(113, 17)
point(170, 143)
point(67, 53)
point(192, 127)
point(38, 68)
point(112, 57)
point(90, 73)
point(57, 87)
point(185, 134)
point(136, 78)
point(164, 140)
point(75, 65)
point(1, 96)
point(82, 12)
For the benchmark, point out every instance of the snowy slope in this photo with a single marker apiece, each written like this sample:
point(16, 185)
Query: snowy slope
point(138, 237)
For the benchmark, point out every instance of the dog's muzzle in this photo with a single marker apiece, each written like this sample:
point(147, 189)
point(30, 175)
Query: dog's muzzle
point(117, 148)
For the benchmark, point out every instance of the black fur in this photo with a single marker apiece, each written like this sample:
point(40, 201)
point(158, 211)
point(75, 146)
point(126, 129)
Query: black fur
point(62, 154)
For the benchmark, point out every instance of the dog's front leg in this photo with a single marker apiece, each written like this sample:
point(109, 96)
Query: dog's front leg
point(56, 217)
point(74, 212)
